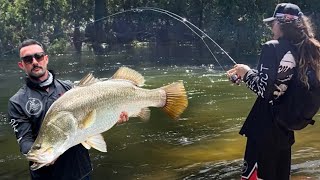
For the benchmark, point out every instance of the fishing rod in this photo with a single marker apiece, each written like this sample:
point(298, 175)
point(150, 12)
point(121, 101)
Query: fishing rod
point(188, 24)
point(182, 20)
point(234, 78)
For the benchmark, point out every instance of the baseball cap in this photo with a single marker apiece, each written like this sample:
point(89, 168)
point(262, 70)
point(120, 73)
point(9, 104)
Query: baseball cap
point(285, 9)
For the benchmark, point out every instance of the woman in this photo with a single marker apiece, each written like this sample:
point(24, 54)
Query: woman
point(268, 149)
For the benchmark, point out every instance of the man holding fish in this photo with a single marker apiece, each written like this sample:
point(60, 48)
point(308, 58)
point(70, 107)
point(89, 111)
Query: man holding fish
point(28, 107)
point(55, 128)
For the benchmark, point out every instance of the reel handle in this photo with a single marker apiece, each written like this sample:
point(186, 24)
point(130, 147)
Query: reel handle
point(234, 78)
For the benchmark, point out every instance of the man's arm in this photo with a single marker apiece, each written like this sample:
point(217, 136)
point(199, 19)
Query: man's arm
point(21, 127)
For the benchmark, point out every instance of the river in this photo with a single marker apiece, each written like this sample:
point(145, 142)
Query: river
point(203, 144)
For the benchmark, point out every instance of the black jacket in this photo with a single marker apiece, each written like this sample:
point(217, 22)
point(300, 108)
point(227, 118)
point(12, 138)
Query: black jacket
point(26, 110)
point(274, 72)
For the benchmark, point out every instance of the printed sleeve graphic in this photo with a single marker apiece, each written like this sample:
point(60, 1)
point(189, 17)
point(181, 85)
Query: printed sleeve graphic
point(257, 81)
point(271, 79)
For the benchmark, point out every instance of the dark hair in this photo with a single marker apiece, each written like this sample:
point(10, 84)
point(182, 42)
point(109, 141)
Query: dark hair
point(301, 33)
point(29, 42)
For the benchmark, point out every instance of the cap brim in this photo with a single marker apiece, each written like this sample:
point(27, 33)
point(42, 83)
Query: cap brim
point(269, 19)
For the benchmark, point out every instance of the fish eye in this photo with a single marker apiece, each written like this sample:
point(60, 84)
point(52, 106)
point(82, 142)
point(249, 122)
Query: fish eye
point(37, 146)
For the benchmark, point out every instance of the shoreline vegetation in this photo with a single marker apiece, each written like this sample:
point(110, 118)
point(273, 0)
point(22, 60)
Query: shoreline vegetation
point(78, 25)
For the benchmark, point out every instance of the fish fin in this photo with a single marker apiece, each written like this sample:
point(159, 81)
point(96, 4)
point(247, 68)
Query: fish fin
point(176, 99)
point(97, 142)
point(144, 114)
point(88, 80)
point(88, 120)
point(129, 74)
point(87, 146)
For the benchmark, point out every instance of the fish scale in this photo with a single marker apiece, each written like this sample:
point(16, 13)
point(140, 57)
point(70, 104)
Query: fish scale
point(86, 111)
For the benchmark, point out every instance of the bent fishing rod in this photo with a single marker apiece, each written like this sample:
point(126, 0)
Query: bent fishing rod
point(234, 78)
point(202, 35)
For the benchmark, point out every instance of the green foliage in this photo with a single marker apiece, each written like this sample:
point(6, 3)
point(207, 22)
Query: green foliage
point(235, 24)
point(57, 46)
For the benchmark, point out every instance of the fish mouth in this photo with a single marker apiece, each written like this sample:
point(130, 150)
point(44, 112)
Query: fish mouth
point(39, 158)
point(38, 161)
point(36, 166)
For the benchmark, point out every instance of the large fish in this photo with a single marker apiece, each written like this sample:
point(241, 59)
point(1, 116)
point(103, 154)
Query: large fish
point(94, 106)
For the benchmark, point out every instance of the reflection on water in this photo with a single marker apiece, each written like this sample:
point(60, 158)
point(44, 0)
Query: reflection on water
point(219, 170)
point(203, 144)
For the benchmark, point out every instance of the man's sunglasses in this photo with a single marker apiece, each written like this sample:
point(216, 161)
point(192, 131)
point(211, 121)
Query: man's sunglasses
point(29, 59)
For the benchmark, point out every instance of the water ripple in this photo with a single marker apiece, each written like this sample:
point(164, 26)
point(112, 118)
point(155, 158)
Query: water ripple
point(306, 152)
point(308, 167)
point(213, 170)
point(11, 157)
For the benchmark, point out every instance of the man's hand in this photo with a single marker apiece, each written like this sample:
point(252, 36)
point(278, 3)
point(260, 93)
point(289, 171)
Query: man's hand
point(123, 117)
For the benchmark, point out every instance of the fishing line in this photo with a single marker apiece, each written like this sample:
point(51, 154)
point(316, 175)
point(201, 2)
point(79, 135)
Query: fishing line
point(78, 27)
point(187, 23)
point(182, 20)
point(234, 78)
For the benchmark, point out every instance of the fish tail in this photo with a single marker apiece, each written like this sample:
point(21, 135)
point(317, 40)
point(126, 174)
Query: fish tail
point(176, 101)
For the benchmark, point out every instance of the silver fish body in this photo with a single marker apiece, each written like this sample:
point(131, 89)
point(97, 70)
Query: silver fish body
point(86, 111)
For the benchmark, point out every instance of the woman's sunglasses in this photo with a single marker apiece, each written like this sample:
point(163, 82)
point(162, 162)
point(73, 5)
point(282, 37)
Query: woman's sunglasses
point(29, 59)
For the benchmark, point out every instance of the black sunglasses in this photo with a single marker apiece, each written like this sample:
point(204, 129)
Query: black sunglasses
point(29, 59)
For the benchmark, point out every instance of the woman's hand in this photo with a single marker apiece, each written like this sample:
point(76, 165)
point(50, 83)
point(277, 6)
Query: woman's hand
point(238, 70)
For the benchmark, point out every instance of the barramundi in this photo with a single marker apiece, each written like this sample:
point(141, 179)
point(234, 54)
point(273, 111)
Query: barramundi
point(94, 106)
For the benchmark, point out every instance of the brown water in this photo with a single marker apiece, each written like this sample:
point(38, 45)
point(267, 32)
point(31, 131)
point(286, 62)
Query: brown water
point(203, 144)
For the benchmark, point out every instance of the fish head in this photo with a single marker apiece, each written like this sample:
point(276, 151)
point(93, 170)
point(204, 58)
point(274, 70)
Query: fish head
point(53, 139)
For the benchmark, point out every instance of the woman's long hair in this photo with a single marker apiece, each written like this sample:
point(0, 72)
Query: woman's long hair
point(301, 33)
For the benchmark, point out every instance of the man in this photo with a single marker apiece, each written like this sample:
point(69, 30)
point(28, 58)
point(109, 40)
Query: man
point(27, 108)
point(292, 53)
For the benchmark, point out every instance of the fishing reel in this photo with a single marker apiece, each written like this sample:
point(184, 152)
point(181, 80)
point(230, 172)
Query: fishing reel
point(235, 79)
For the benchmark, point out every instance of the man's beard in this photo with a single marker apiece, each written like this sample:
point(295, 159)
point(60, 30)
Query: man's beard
point(37, 75)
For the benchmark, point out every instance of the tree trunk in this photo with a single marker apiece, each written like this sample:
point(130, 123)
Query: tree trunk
point(99, 33)
point(77, 40)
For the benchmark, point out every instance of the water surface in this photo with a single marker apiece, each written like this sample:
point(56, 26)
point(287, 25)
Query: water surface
point(203, 144)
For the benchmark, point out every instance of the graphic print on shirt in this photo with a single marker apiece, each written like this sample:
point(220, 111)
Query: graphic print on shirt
point(14, 124)
point(244, 166)
point(259, 83)
point(34, 106)
point(285, 73)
